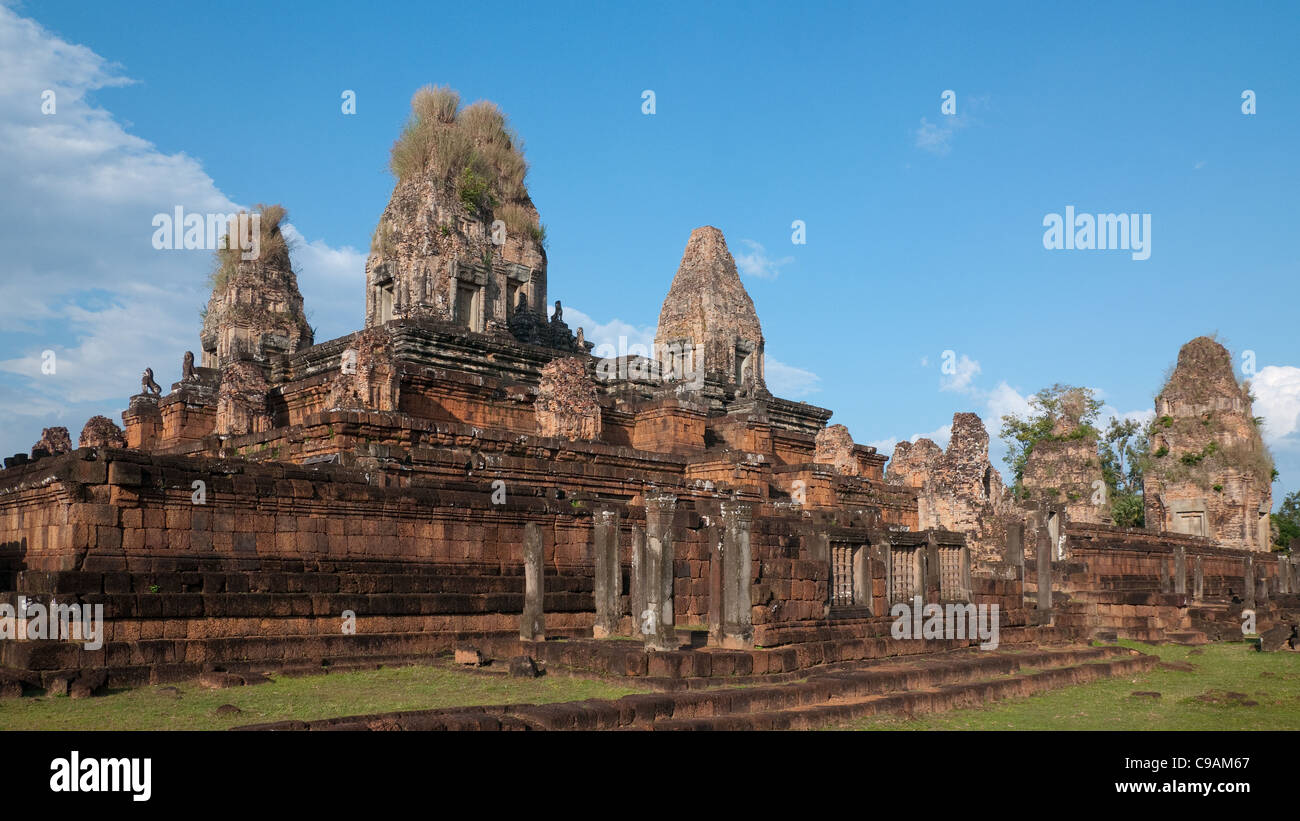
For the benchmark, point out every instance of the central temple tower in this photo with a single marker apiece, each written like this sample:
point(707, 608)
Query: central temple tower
point(708, 314)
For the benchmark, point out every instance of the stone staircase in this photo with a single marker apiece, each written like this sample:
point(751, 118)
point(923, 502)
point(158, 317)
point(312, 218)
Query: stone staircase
point(1140, 616)
point(824, 696)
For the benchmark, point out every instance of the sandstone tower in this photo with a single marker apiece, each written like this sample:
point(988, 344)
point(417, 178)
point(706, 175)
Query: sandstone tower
point(1210, 472)
point(460, 240)
point(1065, 468)
point(708, 314)
point(255, 310)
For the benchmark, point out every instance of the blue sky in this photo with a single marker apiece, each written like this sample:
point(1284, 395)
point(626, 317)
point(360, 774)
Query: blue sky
point(924, 231)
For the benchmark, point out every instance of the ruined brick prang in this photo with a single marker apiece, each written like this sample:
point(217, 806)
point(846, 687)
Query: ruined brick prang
point(255, 310)
point(566, 403)
point(437, 255)
point(1210, 472)
point(53, 442)
point(1063, 470)
point(101, 432)
point(708, 306)
point(834, 446)
point(958, 490)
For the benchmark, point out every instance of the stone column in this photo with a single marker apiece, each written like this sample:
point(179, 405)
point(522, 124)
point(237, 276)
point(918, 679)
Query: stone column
point(1044, 551)
point(932, 584)
point(1180, 570)
point(1248, 581)
point(1164, 575)
point(532, 625)
point(1198, 573)
point(604, 532)
point(862, 577)
point(657, 574)
point(733, 564)
point(881, 552)
point(636, 595)
point(1015, 552)
point(966, 593)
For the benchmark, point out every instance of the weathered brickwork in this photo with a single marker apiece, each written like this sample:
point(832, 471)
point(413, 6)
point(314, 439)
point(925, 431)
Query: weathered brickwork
point(958, 489)
point(1211, 474)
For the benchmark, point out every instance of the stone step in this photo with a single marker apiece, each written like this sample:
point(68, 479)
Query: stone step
point(919, 701)
point(1191, 637)
point(939, 681)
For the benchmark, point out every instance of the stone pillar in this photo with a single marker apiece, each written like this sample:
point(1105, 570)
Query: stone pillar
point(862, 584)
point(657, 574)
point(604, 532)
point(532, 625)
point(1044, 550)
point(931, 582)
point(636, 595)
point(732, 564)
point(1164, 575)
point(1180, 570)
point(1198, 573)
point(142, 421)
point(1015, 552)
point(1248, 581)
point(882, 553)
point(966, 593)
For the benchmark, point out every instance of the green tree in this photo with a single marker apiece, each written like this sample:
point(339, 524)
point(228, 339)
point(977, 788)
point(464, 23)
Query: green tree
point(1078, 407)
point(1287, 520)
point(1123, 451)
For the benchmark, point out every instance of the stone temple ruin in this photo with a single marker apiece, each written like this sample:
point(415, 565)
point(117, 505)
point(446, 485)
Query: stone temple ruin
point(462, 473)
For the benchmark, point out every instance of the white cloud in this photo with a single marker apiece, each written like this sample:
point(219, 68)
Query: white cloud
point(936, 137)
point(622, 338)
point(333, 284)
point(756, 262)
point(789, 382)
point(81, 275)
point(940, 436)
point(965, 369)
point(1005, 400)
point(1277, 392)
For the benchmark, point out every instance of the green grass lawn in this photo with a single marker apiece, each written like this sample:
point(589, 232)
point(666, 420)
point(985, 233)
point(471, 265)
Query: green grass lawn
point(306, 698)
point(1189, 700)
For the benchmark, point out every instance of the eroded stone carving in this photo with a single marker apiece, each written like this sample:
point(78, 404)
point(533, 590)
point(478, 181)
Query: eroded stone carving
point(148, 385)
point(566, 403)
point(242, 400)
point(53, 441)
point(369, 374)
point(101, 432)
